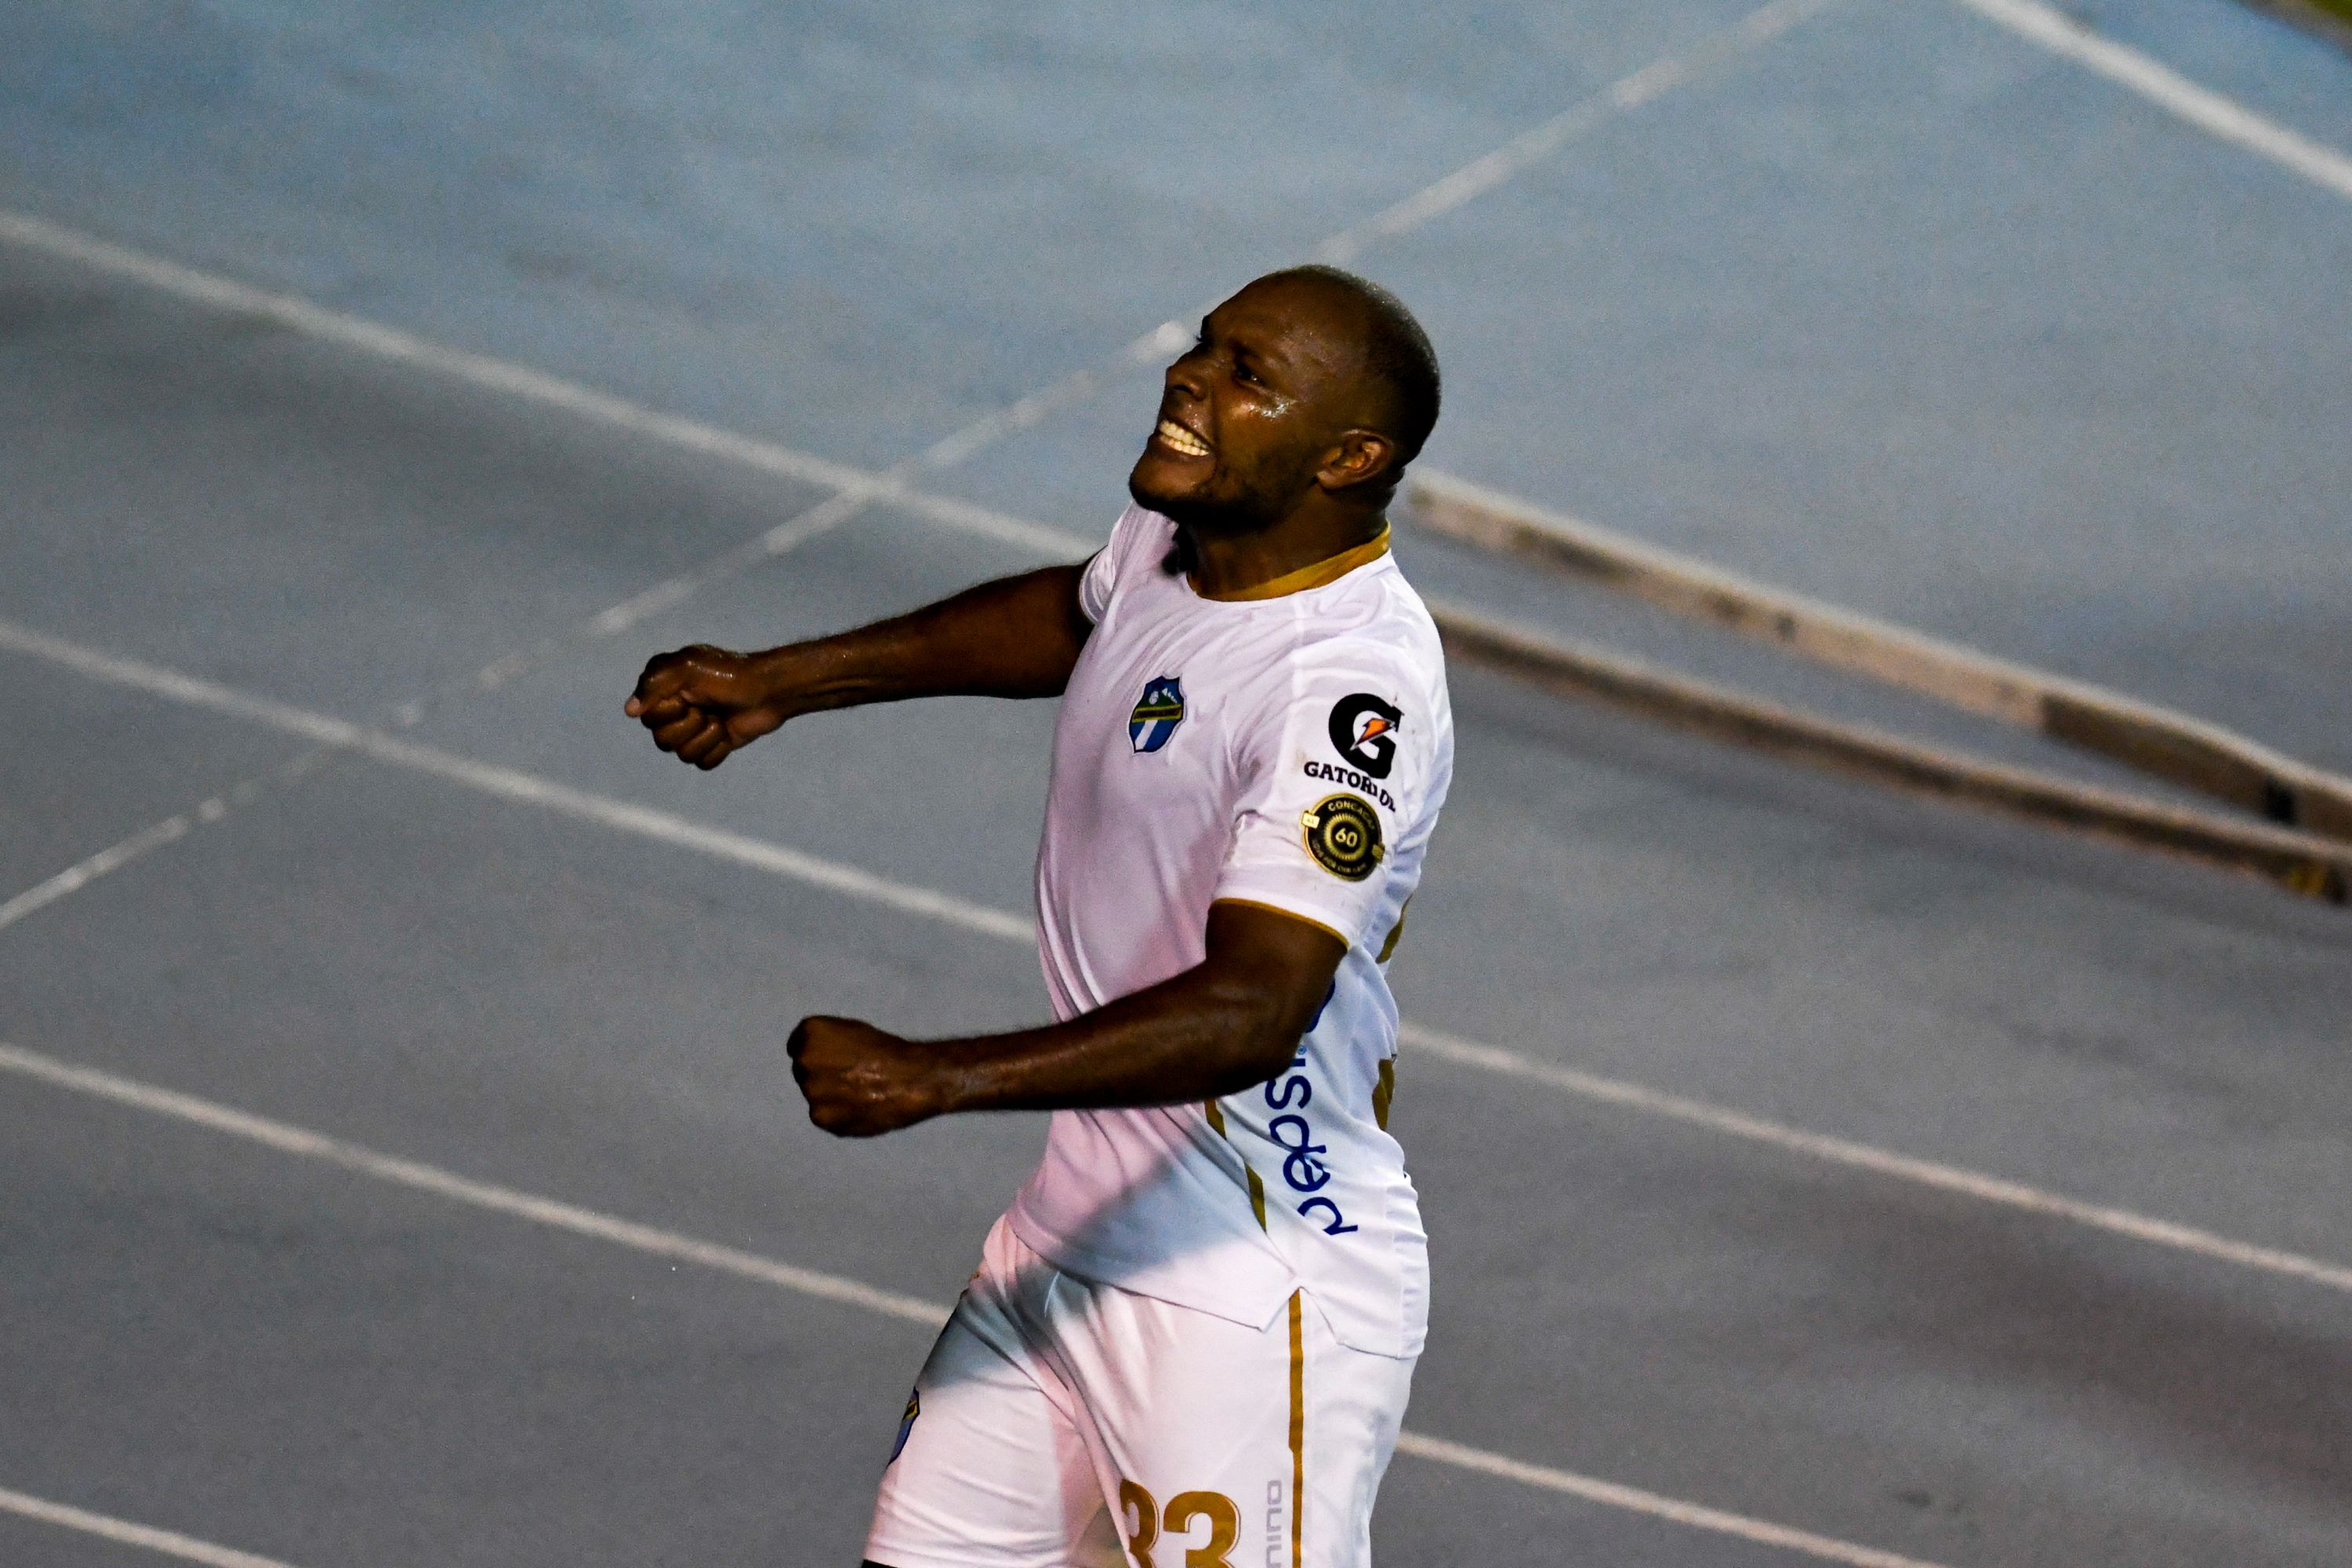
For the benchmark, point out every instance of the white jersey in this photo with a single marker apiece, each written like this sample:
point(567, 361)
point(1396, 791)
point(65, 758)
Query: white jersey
point(1289, 749)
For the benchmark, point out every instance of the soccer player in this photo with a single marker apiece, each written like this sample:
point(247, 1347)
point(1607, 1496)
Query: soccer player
point(1191, 1339)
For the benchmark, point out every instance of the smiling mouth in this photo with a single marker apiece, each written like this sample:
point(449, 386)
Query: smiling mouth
point(1178, 440)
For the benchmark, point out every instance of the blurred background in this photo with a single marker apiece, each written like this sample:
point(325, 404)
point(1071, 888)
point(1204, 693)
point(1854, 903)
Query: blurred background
point(427, 367)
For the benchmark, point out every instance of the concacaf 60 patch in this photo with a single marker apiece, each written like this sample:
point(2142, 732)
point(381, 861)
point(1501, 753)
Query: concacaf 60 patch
point(1343, 834)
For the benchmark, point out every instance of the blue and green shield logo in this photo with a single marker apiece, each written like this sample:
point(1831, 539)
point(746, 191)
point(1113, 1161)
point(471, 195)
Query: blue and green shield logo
point(1156, 717)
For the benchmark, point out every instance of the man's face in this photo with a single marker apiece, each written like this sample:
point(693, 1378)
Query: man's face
point(1250, 415)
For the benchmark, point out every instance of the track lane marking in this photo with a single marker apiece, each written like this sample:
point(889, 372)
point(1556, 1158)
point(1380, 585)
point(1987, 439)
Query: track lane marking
point(2217, 116)
point(858, 488)
point(1051, 544)
point(378, 340)
point(288, 1139)
point(1531, 147)
point(854, 488)
point(657, 1242)
point(1640, 86)
point(764, 855)
point(2208, 110)
point(1611, 1494)
point(88, 870)
point(334, 735)
point(1859, 1156)
point(169, 1543)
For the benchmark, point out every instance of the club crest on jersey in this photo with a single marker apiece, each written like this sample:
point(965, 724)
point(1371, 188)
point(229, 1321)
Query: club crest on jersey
point(1364, 729)
point(1156, 717)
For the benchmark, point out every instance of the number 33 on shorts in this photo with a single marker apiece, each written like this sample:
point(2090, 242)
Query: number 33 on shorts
point(1143, 1522)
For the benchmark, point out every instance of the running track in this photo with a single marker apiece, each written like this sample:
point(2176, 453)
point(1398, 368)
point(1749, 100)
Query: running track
point(395, 1162)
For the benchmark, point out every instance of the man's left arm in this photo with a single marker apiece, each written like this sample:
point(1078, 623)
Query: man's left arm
point(1230, 1022)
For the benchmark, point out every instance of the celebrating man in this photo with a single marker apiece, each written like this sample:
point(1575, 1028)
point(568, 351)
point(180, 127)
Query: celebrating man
point(1192, 1337)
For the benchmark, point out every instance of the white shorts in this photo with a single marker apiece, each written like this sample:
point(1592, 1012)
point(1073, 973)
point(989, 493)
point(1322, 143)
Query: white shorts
point(1059, 1420)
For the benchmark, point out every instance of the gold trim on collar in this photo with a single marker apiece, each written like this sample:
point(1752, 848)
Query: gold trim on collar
point(1321, 573)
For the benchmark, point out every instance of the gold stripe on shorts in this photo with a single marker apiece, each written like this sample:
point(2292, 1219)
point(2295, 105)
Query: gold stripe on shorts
point(1298, 1432)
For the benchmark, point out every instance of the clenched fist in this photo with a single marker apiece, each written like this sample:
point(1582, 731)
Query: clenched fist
point(860, 1081)
point(704, 703)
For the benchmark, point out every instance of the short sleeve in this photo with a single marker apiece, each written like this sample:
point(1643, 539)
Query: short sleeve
point(1336, 762)
point(1095, 587)
point(1133, 535)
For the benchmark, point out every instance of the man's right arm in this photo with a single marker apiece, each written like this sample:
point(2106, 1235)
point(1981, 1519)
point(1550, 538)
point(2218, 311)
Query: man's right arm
point(1017, 636)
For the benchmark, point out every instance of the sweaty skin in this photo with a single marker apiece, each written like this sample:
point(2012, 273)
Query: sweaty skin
point(1297, 469)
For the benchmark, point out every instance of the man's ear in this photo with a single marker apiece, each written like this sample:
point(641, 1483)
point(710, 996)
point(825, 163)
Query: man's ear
point(1360, 457)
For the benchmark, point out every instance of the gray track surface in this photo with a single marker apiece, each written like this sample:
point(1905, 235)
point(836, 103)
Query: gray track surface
point(1898, 310)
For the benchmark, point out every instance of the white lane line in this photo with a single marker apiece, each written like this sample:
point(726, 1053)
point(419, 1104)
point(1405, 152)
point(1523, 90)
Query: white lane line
point(1610, 1494)
point(798, 530)
point(673, 1245)
point(129, 850)
point(982, 920)
point(858, 488)
point(1879, 1162)
point(1629, 92)
point(509, 784)
point(491, 374)
point(2210, 111)
point(1471, 181)
point(291, 1139)
point(855, 489)
point(169, 1543)
point(83, 873)
point(296, 314)
point(1050, 542)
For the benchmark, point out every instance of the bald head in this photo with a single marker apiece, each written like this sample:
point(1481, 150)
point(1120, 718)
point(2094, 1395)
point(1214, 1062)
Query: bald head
point(1396, 369)
point(1311, 388)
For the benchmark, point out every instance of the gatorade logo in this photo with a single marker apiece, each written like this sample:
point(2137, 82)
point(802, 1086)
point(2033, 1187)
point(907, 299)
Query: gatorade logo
point(1364, 729)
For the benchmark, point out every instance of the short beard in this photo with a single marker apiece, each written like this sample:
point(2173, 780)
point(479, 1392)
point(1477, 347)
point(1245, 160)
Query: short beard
point(1218, 520)
point(1183, 556)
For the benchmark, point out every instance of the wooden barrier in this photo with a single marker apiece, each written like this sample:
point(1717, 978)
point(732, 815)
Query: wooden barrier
point(2300, 862)
point(2158, 742)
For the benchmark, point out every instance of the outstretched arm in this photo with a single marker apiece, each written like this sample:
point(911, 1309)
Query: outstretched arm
point(1018, 637)
point(1231, 1021)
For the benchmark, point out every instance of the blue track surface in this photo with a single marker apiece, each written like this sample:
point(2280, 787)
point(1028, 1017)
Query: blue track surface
point(1896, 309)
